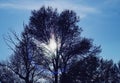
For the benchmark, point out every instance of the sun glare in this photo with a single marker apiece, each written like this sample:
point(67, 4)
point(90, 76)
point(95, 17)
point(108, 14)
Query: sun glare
point(52, 44)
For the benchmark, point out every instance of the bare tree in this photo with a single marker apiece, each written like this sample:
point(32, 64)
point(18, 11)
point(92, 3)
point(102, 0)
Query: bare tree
point(59, 38)
point(21, 62)
point(7, 76)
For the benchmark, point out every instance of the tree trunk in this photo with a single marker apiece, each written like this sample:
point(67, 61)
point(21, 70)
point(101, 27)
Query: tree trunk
point(56, 71)
point(27, 79)
point(56, 78)
point(63, 78)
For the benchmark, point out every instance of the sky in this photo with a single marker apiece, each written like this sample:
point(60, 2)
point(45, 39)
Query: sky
point(99, 19)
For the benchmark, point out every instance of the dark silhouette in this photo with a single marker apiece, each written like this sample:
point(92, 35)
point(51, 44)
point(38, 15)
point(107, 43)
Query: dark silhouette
point(47, 23)
point(21, 62)
point(7, 76)
point(51, 48)
point(92, 69)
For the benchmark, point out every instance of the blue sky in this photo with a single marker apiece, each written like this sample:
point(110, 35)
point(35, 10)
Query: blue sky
point(100, 20)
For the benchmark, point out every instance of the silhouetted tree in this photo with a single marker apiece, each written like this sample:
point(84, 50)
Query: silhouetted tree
point(46, 26)
point(7, 76)
point(118, 73)
point(92, 69)
point(108, 72)
point(21, 62)
point(83, 71)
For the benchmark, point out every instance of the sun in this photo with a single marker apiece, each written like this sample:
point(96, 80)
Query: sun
point(52, 44)
point(51, 47)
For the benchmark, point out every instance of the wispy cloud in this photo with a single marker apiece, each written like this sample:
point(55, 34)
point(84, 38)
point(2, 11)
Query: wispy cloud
point(22, 6)
point(81, 10)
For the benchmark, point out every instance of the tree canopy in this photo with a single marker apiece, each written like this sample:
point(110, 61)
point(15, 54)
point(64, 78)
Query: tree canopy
point(62, 28)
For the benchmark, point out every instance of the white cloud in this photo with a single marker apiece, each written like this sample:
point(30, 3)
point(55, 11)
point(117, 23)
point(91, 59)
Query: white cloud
point(19, 6)
point(82, 10)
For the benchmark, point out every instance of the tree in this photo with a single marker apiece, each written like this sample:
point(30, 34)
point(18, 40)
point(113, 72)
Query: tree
point(83, 71)
point(92, 69)
point(108, 72)
point(21, 62)
point(7, 76)
point(118, 73)
point(58, 37)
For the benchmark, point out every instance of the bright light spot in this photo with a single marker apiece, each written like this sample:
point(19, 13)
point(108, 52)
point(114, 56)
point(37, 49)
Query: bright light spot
point(52, 44)
point(51, 47)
